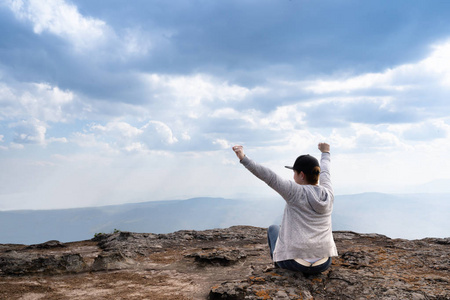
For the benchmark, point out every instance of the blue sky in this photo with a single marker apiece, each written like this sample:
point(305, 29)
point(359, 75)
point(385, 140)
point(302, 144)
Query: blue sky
point(106, 102)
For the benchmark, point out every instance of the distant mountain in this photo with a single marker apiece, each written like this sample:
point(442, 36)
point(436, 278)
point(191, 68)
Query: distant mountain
point(407, 216)
point(36, 226)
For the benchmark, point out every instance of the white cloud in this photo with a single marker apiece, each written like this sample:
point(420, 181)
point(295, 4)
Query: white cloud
point(189, 105)
point(156, 132)
point(118, 129)
point(426, 131)
point(89, 140)
point(438, 63)
point(16, 146)
point(120, 136)
point(33, 131)
point(62, 19)
point(29, 132)
point(284, 118)
point(253, 118)
point(226, 113)
point(47, 102)
point(136, 147)
point(136, 42)
point(224, 144)
point(185, 136)
point(368, 138)
point(402, 78)
point(41, 101)
point(366, 81)
point(30, 109)
point(8, 102)
point(357, 138)
point(58, 140)
point(194, 90)
point(1, 141)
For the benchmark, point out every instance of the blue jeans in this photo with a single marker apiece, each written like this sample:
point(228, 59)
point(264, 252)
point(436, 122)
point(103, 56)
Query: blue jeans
point(290, 264)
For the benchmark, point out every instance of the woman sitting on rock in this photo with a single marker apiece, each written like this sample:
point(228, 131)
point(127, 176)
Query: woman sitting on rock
point(304, 242)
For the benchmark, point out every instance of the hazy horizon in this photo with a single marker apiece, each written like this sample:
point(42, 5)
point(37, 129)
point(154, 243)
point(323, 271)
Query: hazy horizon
point(412, 216)
point(245, 197)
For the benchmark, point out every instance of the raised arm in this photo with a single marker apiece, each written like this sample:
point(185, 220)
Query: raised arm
point(279, 184)
point(325, 160)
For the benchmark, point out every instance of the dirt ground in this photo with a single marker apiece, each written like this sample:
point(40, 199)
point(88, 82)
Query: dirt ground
point(232, 263)
point(104, 285)
point(167, 273)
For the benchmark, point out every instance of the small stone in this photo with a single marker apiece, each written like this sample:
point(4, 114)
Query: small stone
point(307, 295)
point(282, 294)
point(390, 292)
point(417, 296)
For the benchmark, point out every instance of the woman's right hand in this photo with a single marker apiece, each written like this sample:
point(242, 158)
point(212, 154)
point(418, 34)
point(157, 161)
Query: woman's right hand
point(239, 150)
point(324, 147)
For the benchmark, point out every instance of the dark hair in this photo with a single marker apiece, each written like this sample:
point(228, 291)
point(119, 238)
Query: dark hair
point(313, 176)
point(309, 165)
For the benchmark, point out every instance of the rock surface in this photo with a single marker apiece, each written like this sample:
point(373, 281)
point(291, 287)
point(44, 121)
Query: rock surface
point(231, 263)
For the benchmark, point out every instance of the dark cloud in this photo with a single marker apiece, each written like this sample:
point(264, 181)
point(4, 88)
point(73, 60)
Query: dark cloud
point(314, 37)
point(231, 39)
point(24, 55)
point(430, 102)
point(240, 42)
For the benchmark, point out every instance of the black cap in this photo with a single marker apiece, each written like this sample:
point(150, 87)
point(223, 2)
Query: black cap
point(305, 163)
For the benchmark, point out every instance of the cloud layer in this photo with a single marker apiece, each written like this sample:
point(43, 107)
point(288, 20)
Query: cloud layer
point(162, 90)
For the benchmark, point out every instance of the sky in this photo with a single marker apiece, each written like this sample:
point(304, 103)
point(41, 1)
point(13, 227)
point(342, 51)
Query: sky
point(110, 102)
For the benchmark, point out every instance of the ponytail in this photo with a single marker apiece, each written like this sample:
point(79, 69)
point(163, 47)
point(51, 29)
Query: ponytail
point(313, 177)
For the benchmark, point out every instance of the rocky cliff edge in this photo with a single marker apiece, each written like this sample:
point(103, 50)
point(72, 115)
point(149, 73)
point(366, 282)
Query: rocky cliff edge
point(232, 263)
